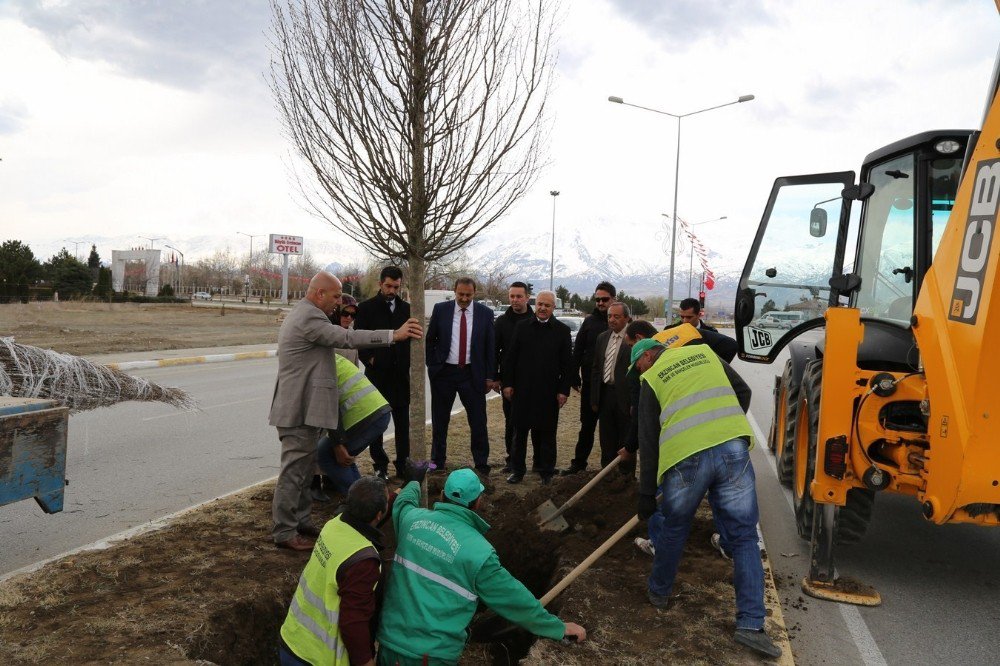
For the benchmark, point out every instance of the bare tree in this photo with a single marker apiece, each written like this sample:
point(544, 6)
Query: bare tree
point(420, 122)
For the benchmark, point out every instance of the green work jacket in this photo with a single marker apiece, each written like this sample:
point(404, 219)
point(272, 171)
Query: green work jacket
point(443, 568)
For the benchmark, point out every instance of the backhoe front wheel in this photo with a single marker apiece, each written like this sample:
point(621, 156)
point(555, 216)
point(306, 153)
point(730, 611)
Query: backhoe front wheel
point(849, 522)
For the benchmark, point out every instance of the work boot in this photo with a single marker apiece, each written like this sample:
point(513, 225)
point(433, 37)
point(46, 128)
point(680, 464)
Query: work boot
point(660, 601)
point(316, 490)
point(758, 641)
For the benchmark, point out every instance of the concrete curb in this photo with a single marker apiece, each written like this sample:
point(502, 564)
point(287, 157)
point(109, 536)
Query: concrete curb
point(193, 360)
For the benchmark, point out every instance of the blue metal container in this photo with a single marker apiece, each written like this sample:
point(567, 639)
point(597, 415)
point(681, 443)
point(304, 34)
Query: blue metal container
point(33, 451)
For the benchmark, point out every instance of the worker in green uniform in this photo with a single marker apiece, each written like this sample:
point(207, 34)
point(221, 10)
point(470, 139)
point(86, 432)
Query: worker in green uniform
point(443, 568)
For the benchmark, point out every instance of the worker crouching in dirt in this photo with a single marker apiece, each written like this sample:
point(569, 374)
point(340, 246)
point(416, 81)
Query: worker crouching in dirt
point(330, 617)
point(364, 416)
point(443, 568)
point(694, 438)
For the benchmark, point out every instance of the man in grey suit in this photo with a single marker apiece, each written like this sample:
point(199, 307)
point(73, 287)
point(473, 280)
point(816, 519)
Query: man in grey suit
point(609, 396)
point(305, 400)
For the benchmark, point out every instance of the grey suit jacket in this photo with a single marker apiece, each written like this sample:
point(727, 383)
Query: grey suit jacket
point(621, 368)
point(306, 392)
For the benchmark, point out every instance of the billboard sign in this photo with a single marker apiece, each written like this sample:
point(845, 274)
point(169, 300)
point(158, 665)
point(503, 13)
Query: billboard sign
point(282, 244)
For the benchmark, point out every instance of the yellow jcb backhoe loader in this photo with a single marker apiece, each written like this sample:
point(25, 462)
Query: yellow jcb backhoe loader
point(891, 384)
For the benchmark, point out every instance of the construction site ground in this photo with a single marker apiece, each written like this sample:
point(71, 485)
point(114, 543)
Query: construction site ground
point(211, 587)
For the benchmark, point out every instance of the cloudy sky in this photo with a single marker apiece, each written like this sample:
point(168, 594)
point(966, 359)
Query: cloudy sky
point(154, 118)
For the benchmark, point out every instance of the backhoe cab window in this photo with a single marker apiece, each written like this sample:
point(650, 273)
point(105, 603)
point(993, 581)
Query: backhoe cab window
point(886, 262)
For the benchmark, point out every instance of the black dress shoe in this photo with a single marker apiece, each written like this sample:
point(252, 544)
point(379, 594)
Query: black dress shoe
point(546, 479)
point(382, 474)
point(515, 478)
point(484, 469)
point(573, 469)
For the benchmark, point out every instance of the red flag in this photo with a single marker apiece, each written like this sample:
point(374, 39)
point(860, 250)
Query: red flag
point(709, 281)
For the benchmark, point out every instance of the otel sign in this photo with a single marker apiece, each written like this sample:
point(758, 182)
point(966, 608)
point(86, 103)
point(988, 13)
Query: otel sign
point(282, 244)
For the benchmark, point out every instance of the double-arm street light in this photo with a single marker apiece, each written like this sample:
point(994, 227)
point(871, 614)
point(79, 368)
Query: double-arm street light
point(251, 237)
point(76, 247)
point(152, 240)
point(552, 261)
point(677, 168)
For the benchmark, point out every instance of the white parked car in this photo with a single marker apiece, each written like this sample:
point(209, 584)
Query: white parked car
point(574, 324)
point(201, 296)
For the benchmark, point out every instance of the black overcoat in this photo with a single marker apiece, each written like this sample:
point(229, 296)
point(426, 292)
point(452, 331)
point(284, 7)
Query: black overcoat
point(538, 365)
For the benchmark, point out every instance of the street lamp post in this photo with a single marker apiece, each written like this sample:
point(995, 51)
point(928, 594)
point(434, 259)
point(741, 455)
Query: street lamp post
point(76, 247)
point(180, 275)
point(250, 263)
point(552, 260)
point(677, 168)
point(151, 240)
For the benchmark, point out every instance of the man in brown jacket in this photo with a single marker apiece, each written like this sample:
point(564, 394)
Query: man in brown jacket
point(305, 400)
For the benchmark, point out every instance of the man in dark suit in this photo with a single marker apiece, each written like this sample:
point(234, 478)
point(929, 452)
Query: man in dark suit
point(306, 400)
point(503, 330)
point(537, 373)
point(583, 357)
point(609, 395)
point(388, 369)
point(461, 360)
point(690, 313)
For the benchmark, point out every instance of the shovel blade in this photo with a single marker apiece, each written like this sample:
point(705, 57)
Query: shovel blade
point(545, 521)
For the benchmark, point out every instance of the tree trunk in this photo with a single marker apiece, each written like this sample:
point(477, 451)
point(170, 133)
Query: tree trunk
point(415, 231)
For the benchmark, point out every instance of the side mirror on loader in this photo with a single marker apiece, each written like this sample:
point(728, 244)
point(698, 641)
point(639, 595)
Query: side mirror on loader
point(817, 223)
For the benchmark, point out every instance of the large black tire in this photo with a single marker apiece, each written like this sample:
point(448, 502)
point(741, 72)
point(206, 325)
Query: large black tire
point(850, 521)
point(786, 410)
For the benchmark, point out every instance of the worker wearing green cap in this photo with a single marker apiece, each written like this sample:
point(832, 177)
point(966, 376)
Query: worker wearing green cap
point(694, 439)
point(443, 568)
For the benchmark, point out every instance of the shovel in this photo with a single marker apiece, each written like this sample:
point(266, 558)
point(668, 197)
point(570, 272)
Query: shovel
point(488, 627)
point(550, 516)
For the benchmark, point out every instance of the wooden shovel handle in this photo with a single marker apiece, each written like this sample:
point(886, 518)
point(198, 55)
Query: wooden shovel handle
point(583, 491)
point(593, 557)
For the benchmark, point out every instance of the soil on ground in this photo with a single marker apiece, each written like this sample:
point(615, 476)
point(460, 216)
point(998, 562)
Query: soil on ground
point(211, 586)
point(101, 328)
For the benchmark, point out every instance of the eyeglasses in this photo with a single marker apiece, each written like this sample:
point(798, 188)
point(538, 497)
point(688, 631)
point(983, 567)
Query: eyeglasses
point(345, 313)
point(602, 299)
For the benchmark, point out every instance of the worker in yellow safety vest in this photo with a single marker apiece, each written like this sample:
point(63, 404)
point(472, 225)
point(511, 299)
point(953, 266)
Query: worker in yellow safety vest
point(364, 416)
point(330, 618)
point(694, 439)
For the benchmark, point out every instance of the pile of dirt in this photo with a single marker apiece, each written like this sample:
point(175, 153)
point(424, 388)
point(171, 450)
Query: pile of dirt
point(211, 587)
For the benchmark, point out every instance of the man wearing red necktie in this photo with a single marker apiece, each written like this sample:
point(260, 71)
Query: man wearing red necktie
point(461, 361)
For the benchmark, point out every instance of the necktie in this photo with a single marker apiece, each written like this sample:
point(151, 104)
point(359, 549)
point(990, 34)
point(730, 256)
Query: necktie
point(463, 333)
point(610, 356)
point(392, 305)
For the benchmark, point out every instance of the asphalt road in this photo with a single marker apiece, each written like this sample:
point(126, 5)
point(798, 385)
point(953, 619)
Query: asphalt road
point(940, 602)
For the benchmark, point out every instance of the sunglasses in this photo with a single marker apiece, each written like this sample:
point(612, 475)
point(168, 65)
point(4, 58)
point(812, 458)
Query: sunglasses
point(602, 299)
point(348, 313)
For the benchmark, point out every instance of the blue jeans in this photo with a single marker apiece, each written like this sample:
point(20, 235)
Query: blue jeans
point(725, 473)
point(356, 442)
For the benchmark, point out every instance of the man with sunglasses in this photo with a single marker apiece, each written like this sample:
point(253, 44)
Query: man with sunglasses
point(583, 360)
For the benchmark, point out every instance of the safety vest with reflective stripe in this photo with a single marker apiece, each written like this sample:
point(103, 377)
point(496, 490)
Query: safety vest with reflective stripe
point(310, 629)
point(698, 407)
point(359, 399)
